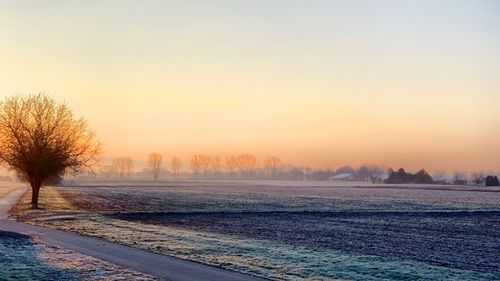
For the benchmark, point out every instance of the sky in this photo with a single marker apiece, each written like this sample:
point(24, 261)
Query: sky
point(412, 84)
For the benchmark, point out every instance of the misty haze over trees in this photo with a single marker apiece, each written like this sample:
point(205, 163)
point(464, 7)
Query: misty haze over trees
point(38, 131)
point(249, 167)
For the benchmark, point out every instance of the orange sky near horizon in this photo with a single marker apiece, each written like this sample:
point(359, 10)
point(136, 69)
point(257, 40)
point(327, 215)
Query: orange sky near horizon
point(318, 83)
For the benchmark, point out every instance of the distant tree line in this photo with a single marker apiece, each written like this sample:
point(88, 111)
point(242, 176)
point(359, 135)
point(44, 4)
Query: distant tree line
point(248, 166)
point(242, 166)
point(476, 178)
point(245, 166)
point(459, 178)
point(401, 176)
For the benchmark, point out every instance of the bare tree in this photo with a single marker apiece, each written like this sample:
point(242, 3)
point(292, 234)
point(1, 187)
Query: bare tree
point(124, 166)
point(216, 164)
point(107, 170)
point(231, 165)
point(247, 163)
point(129, 166)
point(272, 164)
point(154, 162)
point(175, 165)
point(477, 178)
point(200, 164)
point(195, 165)
point(41, 140)
point(204, 161)
point(119, 166)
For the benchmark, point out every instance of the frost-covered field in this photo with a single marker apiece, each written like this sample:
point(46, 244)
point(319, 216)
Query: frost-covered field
point(296, 230)
point(19, 261)
point(209, 196)
point(25, 258)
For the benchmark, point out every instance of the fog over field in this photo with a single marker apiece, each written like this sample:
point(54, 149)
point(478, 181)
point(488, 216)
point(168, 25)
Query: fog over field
point(241, 140)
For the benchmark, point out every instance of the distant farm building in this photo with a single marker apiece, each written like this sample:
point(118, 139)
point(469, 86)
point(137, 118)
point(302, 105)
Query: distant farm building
point(341, 177)
point(384, 176)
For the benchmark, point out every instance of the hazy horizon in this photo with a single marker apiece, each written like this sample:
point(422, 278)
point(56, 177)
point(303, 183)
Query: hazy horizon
point(317, 83)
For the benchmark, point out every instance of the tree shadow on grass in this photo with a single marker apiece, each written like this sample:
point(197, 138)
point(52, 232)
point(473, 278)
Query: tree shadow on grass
point(19, 261)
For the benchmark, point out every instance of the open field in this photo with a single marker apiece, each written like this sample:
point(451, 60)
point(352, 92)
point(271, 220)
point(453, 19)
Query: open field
point(289, 231)
point(208, 196)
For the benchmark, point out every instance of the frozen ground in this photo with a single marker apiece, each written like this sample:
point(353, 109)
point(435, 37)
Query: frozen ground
point(19, 261)
point(25, 258)
point(291, 232)
point(438, 238)
point(276, 196)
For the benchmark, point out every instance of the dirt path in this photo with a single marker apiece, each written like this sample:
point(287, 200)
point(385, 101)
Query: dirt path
point(7, 201)
point(165, 267)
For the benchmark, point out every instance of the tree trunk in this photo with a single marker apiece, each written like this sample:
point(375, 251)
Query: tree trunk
point(35, 189)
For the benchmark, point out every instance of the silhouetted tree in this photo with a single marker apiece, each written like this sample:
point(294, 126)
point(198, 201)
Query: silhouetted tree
point(201, 164)
point(41, 140)
point(477, 178)
point(175, 165)
point(401, 176)
point(204, 161)
point(216, 164)
point(492, 181)
point(247, 164)
point(123, 166)
point(423, 177)
point(272, 164)
point(231, 165)
point(129, 166)
point(154, 163)
point(195, 165)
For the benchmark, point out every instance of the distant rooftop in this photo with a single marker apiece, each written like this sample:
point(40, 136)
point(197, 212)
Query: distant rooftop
point(341, 176)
